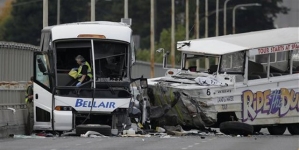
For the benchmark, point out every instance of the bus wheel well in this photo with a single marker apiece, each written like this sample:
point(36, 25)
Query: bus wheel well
point(225, 116)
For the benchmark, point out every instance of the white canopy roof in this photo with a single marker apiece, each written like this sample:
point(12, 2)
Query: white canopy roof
point(111, 30)
point(238, 42)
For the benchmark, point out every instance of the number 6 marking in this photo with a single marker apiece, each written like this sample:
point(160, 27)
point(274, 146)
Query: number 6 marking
point(208, 92)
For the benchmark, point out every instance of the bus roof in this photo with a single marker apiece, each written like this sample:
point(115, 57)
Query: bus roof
point(239, 42)
point(111, 30)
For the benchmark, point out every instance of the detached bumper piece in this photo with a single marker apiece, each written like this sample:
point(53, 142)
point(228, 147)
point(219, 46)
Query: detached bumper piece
point(102, 129)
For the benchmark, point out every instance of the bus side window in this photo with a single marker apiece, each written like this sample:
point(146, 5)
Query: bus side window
point(295, 61)
point(41, 75)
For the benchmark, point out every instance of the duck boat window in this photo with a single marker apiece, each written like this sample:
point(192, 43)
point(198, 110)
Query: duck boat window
point(232, 63)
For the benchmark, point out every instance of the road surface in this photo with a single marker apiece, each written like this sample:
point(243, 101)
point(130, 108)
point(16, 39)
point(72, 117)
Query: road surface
point(210, 142)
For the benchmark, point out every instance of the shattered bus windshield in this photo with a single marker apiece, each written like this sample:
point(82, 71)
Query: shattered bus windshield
point(110, 59)
point(232, 63)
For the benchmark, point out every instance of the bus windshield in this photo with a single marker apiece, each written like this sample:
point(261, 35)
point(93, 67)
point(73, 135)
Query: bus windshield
point(110, 59)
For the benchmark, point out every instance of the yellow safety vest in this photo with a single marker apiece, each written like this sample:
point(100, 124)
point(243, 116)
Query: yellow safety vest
point(89, 74)
point(26, 98)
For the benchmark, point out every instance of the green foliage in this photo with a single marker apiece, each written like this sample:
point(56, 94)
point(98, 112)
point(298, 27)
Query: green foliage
point(25, 23)
point(165, 42)
point(4, 16)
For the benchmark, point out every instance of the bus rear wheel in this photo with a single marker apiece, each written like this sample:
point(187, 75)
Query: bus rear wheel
point(294, 129)
point(277, 130)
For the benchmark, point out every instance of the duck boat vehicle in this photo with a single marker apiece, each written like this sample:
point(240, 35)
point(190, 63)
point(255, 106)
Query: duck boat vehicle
point(254, 85)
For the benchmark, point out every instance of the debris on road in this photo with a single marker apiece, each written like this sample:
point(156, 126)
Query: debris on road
point(136, 135)
point(27, 136)
point(92, 134)
point(72, 133)
point(160, 130)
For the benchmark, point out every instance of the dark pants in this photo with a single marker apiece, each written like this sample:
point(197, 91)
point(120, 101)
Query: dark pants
point(30, 118)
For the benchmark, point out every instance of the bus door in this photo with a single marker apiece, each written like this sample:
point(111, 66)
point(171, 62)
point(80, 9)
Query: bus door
point(42, 92)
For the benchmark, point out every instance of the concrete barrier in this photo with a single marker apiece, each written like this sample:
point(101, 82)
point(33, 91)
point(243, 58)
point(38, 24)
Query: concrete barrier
point(12, 122)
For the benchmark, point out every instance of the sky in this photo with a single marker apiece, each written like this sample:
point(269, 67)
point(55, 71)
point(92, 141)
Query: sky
point(291, 19)
point(2, 2)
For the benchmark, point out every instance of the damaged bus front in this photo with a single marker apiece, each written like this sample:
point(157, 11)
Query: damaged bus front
point(99, 104)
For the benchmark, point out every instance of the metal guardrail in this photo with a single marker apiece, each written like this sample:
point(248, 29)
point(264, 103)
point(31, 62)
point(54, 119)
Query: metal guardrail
point(13, 81)
point(20, 46)
point(14, 106)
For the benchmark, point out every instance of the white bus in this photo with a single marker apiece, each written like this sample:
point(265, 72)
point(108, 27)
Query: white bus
point(104, 101)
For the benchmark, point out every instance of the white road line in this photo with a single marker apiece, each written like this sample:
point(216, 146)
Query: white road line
point(196, 143)
point(190, 146)
point(89, 142)
point(184, 148)
point(53, 149)
point(203, 141)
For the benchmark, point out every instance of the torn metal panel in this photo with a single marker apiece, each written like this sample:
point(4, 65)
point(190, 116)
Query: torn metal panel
point(185, 104)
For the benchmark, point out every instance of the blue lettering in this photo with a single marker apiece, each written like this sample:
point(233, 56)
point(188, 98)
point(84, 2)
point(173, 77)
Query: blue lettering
point(85, 104)
point(101, 105)
point(107, 105)
point(79, 103)
point(89, 104)
point(112, 105)
point(82, 103)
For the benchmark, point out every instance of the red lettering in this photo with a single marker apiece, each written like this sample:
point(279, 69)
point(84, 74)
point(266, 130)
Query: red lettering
point(295, 46)
point(272, 49)
point(287, 47)
point(281, 48)
point(263, 50)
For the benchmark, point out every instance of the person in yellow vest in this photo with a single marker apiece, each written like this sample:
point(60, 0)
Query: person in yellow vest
point(29, 104)
point(84, 73)
point(29, 92)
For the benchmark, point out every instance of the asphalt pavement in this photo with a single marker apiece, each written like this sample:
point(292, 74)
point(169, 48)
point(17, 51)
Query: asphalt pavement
point(209, 142)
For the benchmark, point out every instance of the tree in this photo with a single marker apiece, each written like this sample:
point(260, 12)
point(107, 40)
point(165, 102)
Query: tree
point(25, 23)
point(165, 42)
point(4, 16)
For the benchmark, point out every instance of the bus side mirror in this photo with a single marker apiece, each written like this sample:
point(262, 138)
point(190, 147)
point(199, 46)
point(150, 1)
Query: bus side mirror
point(133, 58)
point(41, 65)
point(165, 57)
point(143, 83)
point(165, 60)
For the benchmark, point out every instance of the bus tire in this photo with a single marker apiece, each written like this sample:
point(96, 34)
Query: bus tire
point(257, 129)
point(293, 129)
point(236, 128)
point(102, 129)
point(277, 130)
